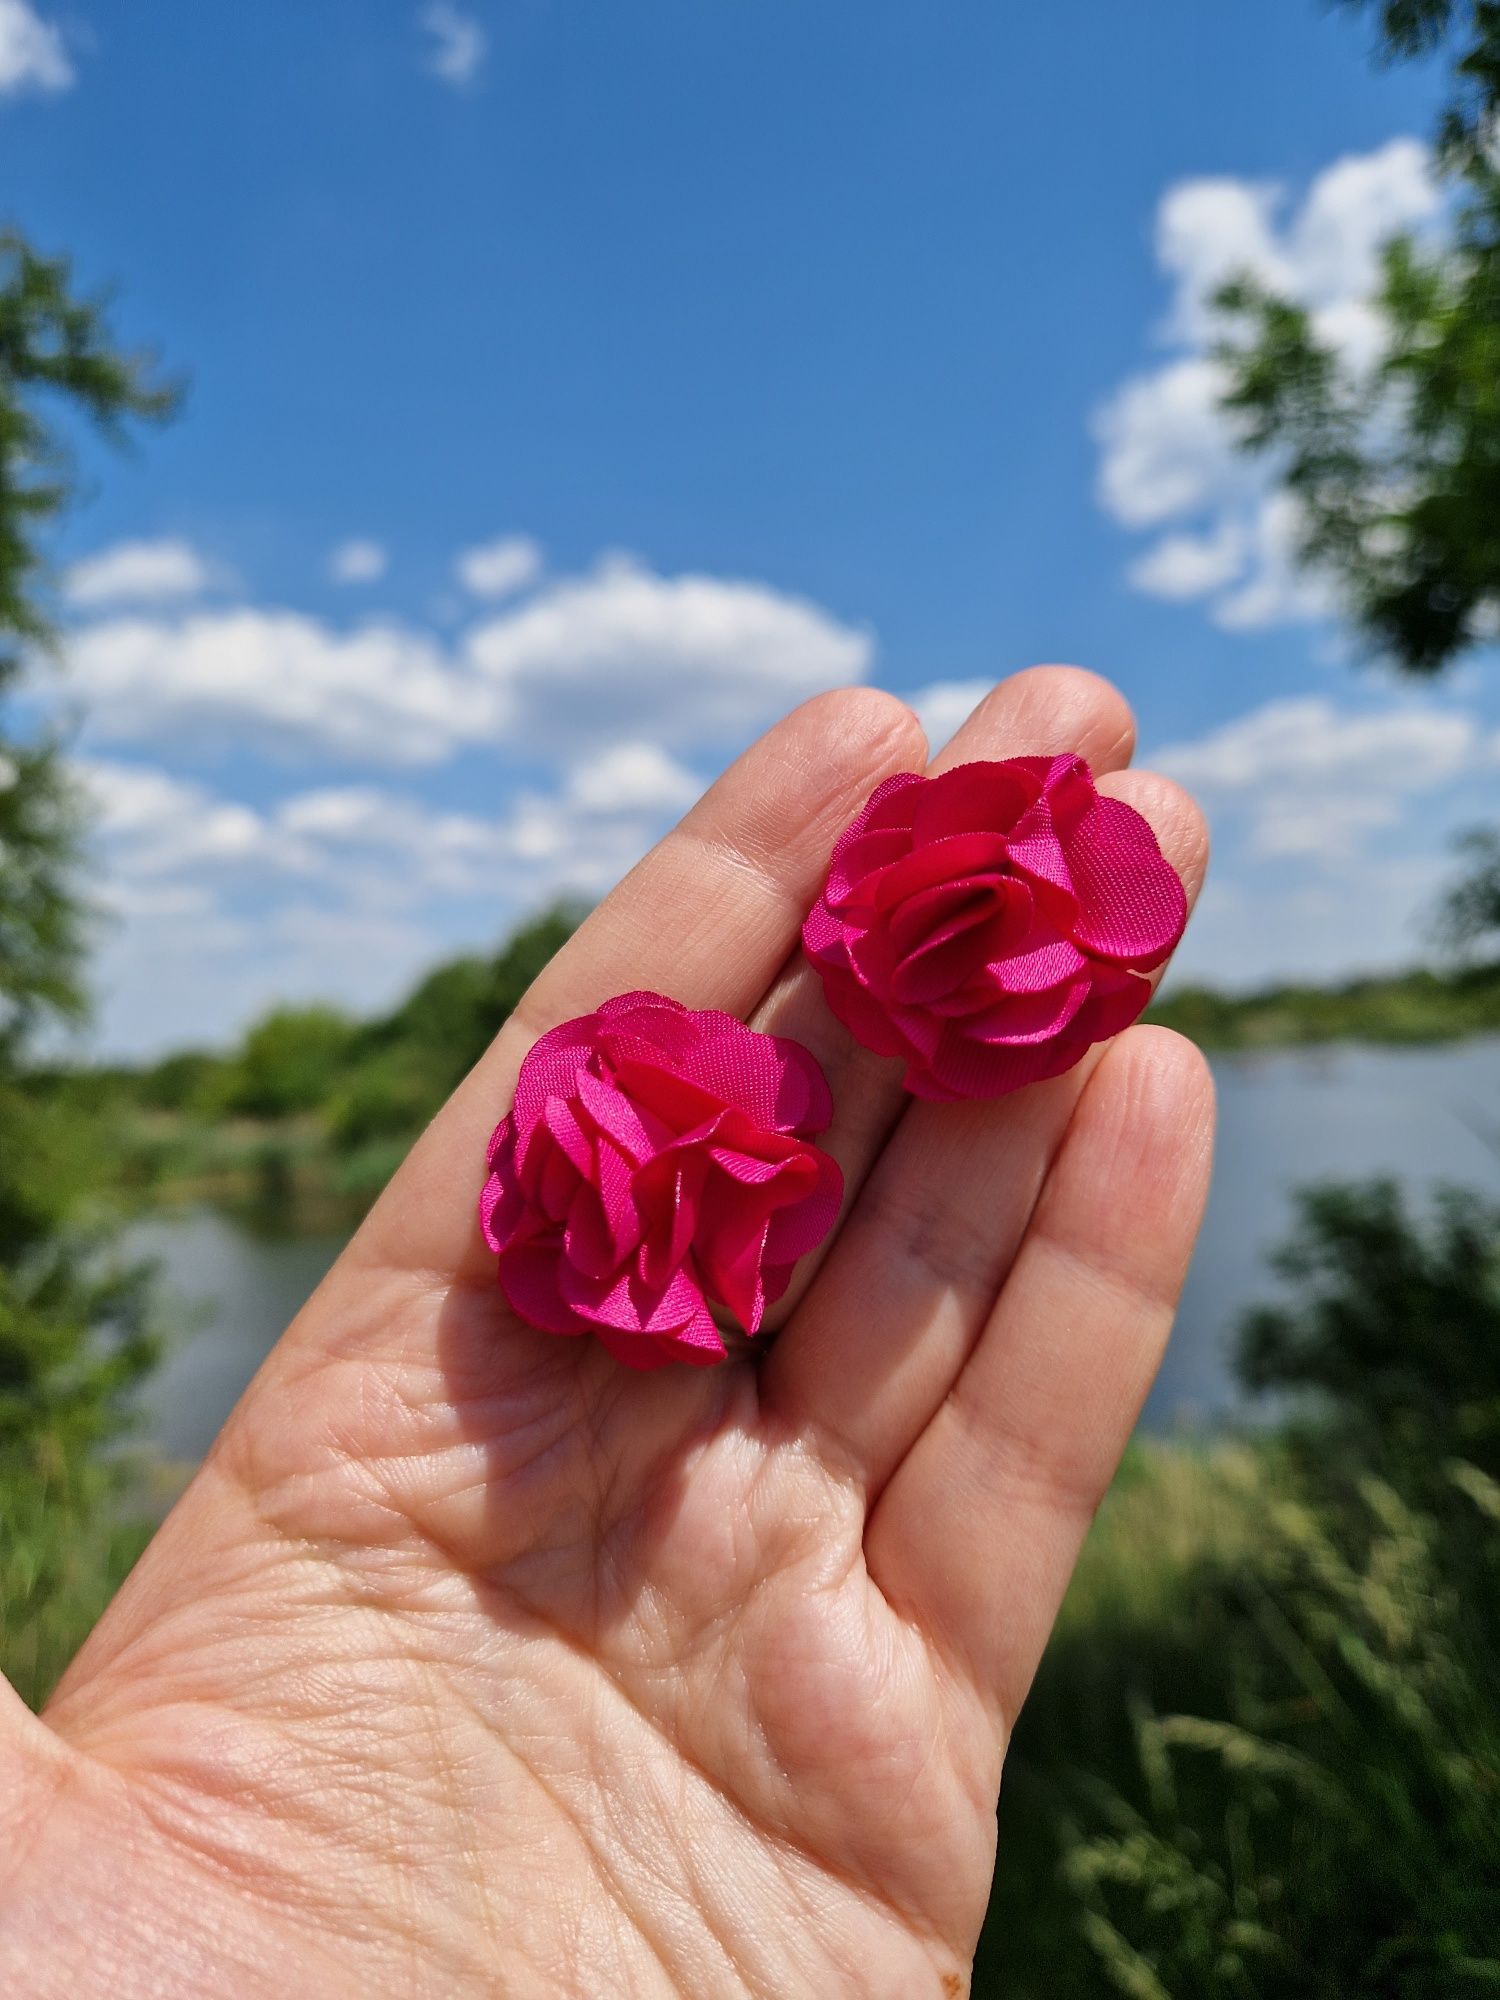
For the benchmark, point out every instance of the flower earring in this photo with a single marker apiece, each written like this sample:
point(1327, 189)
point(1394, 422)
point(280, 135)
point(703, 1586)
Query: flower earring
point(988, 925)
point(656, 1163)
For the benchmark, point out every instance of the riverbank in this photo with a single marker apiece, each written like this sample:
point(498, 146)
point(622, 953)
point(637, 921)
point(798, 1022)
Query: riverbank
point(301, 1125)
point(236, 1277)
point(1407, 1008)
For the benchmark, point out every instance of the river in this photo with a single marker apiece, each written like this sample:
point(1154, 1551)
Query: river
point(1294, 1116)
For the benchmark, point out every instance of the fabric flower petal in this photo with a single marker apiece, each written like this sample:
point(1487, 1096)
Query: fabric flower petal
point(650, 1157)
point(989, 924)
point(1131, 904)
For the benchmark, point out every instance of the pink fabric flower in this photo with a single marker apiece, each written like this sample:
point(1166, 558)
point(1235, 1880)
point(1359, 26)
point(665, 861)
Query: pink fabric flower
point(986, 926)
point(655, 1163)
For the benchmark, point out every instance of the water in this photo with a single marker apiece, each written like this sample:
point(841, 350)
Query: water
point(1422, 1114)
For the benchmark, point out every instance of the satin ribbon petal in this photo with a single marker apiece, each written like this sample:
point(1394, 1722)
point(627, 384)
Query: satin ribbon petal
point(989, 924)
point(651, 1155)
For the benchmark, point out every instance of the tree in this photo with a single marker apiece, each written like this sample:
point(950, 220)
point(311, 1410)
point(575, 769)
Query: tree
point(403, 1065)
point(74, 1333)
point(1396, 465)
point(1410, 29)
point(1390, 1320)
point(452, 1016)
point(286, 1062)
point(54, 351)
point(1469, 913)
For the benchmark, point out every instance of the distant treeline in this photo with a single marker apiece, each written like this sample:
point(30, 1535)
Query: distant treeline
point(1417, 1006)
point(306, 1118)
point(309, 1114)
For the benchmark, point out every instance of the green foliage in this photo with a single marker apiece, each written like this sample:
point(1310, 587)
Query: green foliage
point(389, 1095)
point(1469, 913)
point(1409, 1007)
point(1262, 1757)
point(197, 1126)
point(1392, 1319)
point(305, 1121)
point(381, 1078)
point(74, 1333)
point(55, 354)
point(286, 1063)
point(1333, 1829)
point(1396, 471)
point(1409, 29)
point(188, 1077)
point(454, 1013)
point(66, 1544)
point(1396, 468)
point(74, 1340)
point(404, 1065)
point(40, 939)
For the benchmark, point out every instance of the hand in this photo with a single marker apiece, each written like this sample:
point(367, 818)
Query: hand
point(472, 1663)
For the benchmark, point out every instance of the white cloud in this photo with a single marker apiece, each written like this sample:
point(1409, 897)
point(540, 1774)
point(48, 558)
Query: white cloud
point(459, 43)
point(1308, 739)
point(1352, 210)
point(32, 53)
point(1276, 589)
point(500, 568)
point(344, 892)
point(632, 777)
point(358, 560)
point(1308, 778)
point(1331, 824)
point(1323, 252)
point(1167, 450)
point(156, 824)
point(695, 660)
point(1207, 231)
point(1332, 827)
point(1180, 567)
point(173, 972)
point(618, 654)
point(1367, 913)
point(943, 706)
point(375, 848)
point(380, 691)
point(138, 572)
point(1246, 563)
point(616, 691)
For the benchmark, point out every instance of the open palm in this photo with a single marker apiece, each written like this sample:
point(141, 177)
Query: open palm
point(472, 1663)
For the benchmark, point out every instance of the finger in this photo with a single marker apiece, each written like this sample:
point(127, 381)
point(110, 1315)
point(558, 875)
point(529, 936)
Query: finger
point(708, 917)
point(1043, 709)
point(977, 1533)
point(880, 1338)
point(374, 1375)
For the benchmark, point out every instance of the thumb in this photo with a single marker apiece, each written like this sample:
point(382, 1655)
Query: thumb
point(30, 1759)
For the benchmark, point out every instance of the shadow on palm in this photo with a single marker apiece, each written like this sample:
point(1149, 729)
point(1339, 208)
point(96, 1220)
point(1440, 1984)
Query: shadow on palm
point(692, 1555)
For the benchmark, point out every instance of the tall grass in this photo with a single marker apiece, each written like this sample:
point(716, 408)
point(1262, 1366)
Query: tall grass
point(65, 1547)
point(1263, 1755)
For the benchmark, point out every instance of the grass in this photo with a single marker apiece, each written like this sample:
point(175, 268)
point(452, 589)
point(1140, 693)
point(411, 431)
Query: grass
point(1263, 1754)
point(68, 1538)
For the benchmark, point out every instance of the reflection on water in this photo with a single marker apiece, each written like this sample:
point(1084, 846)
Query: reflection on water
point(1422, 1114)
point(234, 1291)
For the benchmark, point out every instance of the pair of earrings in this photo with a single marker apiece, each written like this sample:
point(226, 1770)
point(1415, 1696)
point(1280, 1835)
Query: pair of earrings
point(985, 927)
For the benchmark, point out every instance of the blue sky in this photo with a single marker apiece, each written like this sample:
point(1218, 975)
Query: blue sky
point(752, 347)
